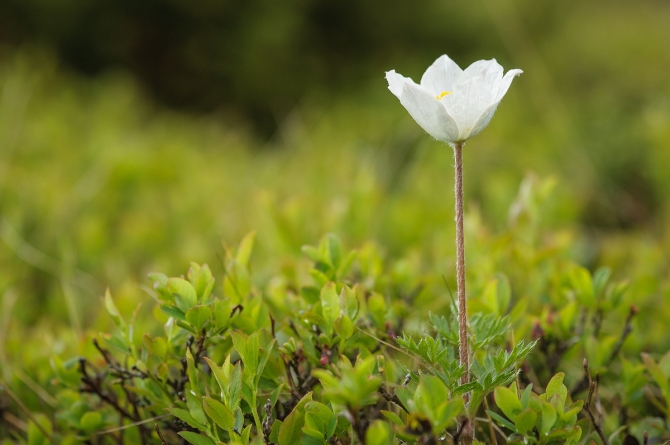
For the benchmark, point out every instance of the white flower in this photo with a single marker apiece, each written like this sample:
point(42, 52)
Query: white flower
point(452, 104)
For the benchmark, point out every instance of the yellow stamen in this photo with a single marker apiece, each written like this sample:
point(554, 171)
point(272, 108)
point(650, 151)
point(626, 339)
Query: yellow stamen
point(442, 94)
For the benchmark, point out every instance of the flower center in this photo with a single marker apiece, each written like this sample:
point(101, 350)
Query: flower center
point(442, 94)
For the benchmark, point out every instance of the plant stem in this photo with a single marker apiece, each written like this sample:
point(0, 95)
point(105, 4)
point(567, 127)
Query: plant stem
point(460, 266)
point(469, 432)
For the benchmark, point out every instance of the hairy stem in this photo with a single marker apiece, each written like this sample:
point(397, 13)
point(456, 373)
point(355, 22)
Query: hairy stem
point(460, 279)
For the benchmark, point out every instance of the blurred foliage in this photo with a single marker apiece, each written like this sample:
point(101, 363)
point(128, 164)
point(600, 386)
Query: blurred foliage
point(100, 185)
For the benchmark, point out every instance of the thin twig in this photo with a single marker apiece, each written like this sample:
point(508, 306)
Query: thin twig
point(132, 425)
point(627, 329)
point(28, 414)
point(160, 435)
point(592, 389)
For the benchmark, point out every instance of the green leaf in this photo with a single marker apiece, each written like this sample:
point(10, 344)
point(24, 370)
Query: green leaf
point(290, 431)
point(183, 292)
point(195, 438)
point(114, 312)
point(173, 312)
point(245, 248)
point(580, 279)
point(218, 412)
point(90, 421)
point(378, 433)
point(274, 432)
point(549, 417)
point(525, 421)
point(377, 308)
point(186, 416)
point(393, 417)
point(195, 408)
point(219, 375)
point(319, 417)
point(330, 306)
point(235, 388)
point(344, 328)
point(263, 361)
point(201, 279)
point(657, 373)
point(507, 401)
point(556, 388)
point(502, 421)
point(349, 302)
point(198, 316)
point(192, 373)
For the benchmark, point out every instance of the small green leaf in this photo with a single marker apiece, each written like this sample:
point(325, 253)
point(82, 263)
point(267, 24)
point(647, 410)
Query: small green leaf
point(393, 417)
point(173, 312)
point(218, 412)
point(245, 248)
point(549, 417)
point(114, 312)
point(195, 407)
point(525, 421)
point(235, 388)
point(274, 432)
point(183, 292)
point(556, 388)
point(198, 316)
point(186, 416)
point(290, 431)
point(330, 305)
point(378, 433)
point(195, 438)
point(501, 420)
point(320, 418)
point(344, 327)
point(507, 401)
point(90, 421)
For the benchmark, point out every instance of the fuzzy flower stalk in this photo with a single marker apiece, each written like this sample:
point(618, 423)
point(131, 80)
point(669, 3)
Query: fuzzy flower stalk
point(453, 105)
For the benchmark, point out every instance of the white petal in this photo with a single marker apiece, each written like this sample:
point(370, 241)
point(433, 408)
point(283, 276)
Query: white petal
point(441, 75)
point(396, 82)
point(467, 103)
point(505, 83)
point(429, 112)
point(489, 70)
point(482, 121)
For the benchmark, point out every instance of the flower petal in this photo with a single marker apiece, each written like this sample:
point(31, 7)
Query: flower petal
point(441, 75)
point(429, 113)
point(467, 103)
point(396, 82)
point(505, 83)
point(482, 121)
point(489, 70)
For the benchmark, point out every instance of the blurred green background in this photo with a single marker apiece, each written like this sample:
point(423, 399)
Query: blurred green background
point(136, 136)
